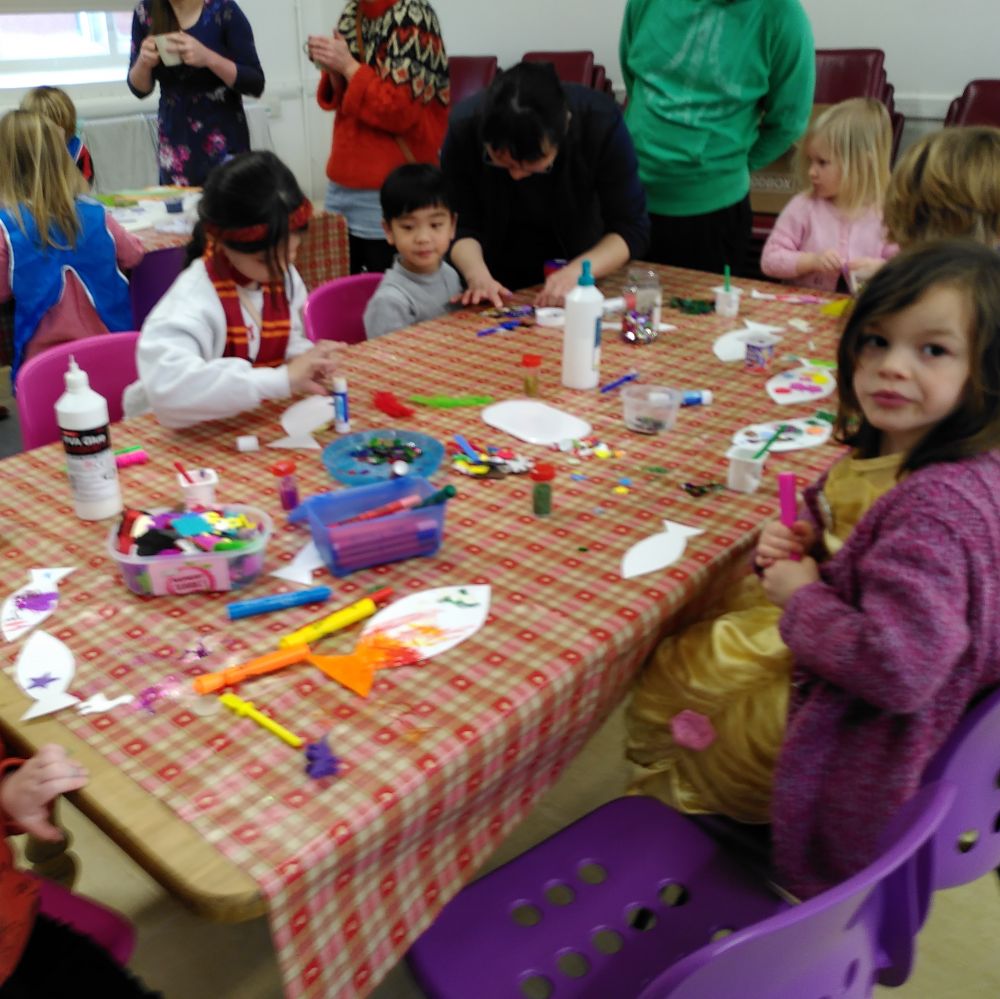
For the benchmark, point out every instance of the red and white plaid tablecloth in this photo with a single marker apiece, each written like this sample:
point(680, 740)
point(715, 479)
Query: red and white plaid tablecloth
point(443, 760)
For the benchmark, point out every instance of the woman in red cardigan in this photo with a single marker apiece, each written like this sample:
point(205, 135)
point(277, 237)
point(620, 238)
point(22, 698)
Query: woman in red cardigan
point(385, 73)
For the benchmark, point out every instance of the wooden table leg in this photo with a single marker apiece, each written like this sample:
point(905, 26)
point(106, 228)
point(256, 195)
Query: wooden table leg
point(53, 860)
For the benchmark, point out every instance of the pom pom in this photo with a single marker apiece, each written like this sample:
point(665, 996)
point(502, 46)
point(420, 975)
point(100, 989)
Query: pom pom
point(320, 761)
point(692, 730)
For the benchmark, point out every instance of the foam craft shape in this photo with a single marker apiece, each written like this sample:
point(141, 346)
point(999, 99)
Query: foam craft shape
point(658, 550)
point(807, 384)
point(535, 422)
point(732, 346)
point(32, 603)
point(454, 612)
point(355, 676)
point(301, 419)
point(44, 671)
point(798, 434)
point(300, 569)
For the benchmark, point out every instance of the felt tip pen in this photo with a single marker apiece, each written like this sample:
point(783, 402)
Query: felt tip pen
point(786, 499)
point(277, 601)
point(441, 496)
point(697, 397)
point(338, 620)
point(611, 386)
point(381, 511)
point(209, 683)
point(248, 710)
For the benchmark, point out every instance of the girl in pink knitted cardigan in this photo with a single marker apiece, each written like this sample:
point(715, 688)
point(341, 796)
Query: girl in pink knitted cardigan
point(831, 235)
point(891, 628)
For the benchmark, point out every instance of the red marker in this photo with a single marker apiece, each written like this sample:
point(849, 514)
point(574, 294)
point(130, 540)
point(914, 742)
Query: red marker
point(180, 468)
point(382, 511)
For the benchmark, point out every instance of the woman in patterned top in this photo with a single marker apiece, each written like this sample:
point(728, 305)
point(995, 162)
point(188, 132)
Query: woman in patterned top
point(385, 73)
point(201, 119)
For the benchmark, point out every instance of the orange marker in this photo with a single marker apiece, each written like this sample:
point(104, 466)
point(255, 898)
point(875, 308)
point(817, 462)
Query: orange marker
point(273, 661)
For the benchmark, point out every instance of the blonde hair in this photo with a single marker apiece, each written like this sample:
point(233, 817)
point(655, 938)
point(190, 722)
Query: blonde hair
point(858, 134)
point(54, 104)
point(38, 175)
point(947, 184)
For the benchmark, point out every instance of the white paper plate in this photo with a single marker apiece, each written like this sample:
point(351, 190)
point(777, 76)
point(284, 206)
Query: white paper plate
point(809, 432)
point(732, 346)
point(535, 422)
point(807, 384)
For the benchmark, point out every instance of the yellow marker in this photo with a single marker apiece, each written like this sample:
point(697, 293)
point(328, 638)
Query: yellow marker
point(339, 619)
point(241, 707)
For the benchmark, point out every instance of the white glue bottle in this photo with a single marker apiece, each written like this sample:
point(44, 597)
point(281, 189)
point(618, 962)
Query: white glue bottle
point(581, 360)
point(82, 417)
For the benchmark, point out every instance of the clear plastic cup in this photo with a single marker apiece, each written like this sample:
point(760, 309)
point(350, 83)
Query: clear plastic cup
point(727, 303)
point(201, 490)
point(650, 409)
point(745, 470)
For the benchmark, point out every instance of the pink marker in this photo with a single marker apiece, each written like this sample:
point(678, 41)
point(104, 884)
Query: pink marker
point(789, 507)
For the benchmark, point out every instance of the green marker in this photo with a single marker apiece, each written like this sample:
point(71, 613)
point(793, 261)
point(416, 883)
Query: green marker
point(439, 497)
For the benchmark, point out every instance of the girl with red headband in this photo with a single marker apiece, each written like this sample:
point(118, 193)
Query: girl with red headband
point(228, 334)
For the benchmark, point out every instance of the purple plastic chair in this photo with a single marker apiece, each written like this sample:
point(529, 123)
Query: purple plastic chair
point(108, 359)
point(151, 278)
point(336, 310)
point(603, 907)
point(967, 845)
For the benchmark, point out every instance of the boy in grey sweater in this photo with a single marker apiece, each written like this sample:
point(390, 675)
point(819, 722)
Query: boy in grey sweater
point(420, 225)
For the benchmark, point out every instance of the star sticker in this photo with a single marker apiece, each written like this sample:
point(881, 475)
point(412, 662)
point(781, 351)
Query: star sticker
point(41, 681)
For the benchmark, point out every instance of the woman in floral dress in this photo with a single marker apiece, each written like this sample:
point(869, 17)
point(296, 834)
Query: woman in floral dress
point(201, 118)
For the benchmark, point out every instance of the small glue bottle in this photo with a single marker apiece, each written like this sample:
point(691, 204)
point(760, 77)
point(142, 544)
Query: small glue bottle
point(288, 491)
point(341, 409)
point(82, 418)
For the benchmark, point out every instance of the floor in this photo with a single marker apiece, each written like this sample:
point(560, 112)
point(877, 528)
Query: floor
point(188, 958)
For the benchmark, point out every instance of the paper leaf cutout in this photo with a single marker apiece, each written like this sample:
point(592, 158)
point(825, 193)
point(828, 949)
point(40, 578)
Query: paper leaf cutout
point(302, 418)
point(658, 550)
point(44, 671)
point(300, 569)
point(32, 603)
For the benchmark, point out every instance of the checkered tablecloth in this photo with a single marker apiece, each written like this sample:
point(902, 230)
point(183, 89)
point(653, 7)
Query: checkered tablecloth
point(442, 760)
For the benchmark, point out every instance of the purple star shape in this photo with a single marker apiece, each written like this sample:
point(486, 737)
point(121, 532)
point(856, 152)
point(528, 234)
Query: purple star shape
point(41, 681)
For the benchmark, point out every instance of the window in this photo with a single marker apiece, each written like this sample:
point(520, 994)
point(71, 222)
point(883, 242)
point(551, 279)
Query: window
point(61, 48)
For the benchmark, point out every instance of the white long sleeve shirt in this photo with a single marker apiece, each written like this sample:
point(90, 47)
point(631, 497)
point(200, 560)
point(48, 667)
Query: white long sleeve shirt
point(183, 377)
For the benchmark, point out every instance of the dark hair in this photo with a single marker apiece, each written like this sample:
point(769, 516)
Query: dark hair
point(410, 187)
point(525, 109)
point(974, 426)
point(251, 191)
point(162, 17)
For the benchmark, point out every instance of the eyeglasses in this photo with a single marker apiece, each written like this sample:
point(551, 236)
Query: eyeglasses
point(504, 161)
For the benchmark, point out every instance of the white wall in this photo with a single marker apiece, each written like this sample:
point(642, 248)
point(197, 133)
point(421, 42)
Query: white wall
point(932, 50)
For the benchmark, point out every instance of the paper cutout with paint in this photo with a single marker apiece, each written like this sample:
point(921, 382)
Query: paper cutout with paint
point(658, 550)
point(535, 422)
point(32, 603)
point(797, 434)
point(301, 419)
point(409, 631)
point(300, 569)
point(44, 671)
point(99, 703)
point(807, 384)
point(732, 346)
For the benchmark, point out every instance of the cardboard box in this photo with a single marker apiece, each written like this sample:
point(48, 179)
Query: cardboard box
point(773, 186)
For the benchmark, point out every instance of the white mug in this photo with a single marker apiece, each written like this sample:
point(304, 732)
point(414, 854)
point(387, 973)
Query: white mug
point(167, 55)
point(745, 471)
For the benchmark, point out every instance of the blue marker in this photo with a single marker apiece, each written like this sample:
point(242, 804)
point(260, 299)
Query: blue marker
point(630, 377)
point(467, 449)
point(277, 601)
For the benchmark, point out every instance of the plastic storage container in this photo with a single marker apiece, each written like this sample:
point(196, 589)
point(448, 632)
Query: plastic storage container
point(650, 409)
point(198, 572)
point(392, 538)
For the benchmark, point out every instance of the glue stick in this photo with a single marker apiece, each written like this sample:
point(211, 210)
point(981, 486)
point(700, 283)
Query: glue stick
point(341, 409)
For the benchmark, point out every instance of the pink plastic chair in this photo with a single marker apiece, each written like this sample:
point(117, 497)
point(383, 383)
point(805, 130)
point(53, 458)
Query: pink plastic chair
point(109, 361)
point(107, 928)
point(632, 900)
point(151, 278)
point(335, 310)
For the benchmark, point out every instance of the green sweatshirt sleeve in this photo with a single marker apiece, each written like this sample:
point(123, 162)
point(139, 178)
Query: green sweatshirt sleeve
point(789, 102)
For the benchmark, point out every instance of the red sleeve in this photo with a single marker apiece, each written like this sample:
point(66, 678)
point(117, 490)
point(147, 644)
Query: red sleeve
point(329, 93)
point(86, 164)
point(381, 104)
point(128, 248)
point(6, 765)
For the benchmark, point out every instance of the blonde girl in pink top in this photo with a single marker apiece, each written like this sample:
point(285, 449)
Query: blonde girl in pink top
point(832, 233)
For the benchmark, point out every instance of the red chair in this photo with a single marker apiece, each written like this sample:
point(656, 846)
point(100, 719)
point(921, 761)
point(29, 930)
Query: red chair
point(108, 359)
point(571, 67)
point(469, 75)
point(336, 310)
point(978, 105)
point(845, 73)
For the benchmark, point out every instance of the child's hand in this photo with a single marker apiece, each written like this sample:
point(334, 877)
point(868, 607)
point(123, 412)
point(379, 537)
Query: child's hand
point(780, 542)
point(311, 372)
point(785, 577)
point(25, 795)
point(557, 285)
point(149, 54)
point(484, 288)
point(827, 261)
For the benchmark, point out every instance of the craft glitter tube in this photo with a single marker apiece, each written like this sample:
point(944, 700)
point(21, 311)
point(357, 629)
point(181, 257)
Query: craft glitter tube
point(338, 620)
point(247, 709)
point(288, 491)
point(209, 683)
